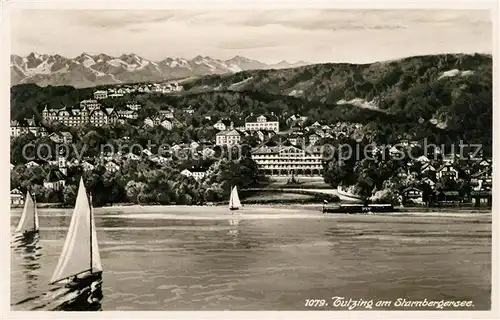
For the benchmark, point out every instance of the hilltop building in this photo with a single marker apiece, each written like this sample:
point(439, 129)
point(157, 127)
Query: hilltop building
point(254, 123)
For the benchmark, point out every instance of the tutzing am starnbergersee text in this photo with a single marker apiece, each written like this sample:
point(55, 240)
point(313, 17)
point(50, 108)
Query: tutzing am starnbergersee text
point(351, 304)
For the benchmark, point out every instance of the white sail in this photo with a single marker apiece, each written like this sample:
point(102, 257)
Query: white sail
point(234, 200)
point(29, 217)
point(80, 251)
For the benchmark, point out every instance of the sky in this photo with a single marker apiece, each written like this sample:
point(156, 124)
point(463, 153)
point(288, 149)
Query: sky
point(270, 36)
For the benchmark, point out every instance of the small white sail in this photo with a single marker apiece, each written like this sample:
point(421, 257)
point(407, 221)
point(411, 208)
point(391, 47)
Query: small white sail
point(29, 217)
point(234, 201)
point(80, 251)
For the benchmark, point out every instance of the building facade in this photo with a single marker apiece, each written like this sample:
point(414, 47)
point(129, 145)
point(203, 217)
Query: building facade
point(287, 161)
point(16, 129)
point(98, 118)
point(78, 117)
point(254, 123)
point(229, 138)
point(100, 94)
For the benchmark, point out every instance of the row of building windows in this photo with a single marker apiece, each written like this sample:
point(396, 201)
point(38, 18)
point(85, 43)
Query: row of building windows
point(288, 161)
point(290, 166)
point(276, 156)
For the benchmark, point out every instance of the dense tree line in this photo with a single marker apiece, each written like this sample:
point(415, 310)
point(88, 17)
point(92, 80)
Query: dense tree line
point(415, 100)
point(137, 181)
point(381, 177)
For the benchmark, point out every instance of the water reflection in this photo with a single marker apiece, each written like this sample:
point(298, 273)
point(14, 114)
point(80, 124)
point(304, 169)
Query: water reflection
point(239, 263)
point(86, 295)
point(234, 232)
point(28, 248)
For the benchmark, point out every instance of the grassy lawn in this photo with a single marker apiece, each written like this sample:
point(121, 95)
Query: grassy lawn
point(266, 196)
point(303, 182)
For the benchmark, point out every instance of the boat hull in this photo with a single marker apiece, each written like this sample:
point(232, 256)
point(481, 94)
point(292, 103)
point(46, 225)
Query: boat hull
point(234, 209)
point(84, 294)
point(360, 209)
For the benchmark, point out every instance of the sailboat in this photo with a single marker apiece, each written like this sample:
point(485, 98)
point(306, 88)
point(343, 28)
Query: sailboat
point(234, 200)
point(29, 218)
point(80, 263)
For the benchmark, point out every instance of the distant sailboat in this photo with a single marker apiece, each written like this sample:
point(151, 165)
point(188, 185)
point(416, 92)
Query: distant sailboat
point(234, 200)
point(29, 217)
point(80, 259)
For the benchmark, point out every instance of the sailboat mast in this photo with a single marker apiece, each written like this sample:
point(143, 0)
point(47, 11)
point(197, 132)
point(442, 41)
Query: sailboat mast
point(90, 227)
point(34, 211)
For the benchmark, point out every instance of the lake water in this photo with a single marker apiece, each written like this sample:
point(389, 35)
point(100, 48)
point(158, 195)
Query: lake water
point(268, 259)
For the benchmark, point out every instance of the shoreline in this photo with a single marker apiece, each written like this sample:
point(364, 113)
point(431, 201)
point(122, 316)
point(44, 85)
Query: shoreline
point(314, 207)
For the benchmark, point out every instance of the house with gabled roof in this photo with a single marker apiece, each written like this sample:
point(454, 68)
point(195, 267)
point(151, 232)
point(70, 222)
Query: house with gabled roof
point(207, 152)
point(188, 110)
point(447, 170)
point(131, 156)
point(167, 114)
point(484, 163)
point(111, 166)
point(315, 125)
point(412, 194)
point(269, 122)
point(223, 124)
point(67, 137)
point(429, 182)
point(149, 122)
point(228, 137)
point(176, 147)
point(427, 167)
point(186, 173)
point(483, 180)
point(16, 198)
point(56, 137)
point(194, 145)
point(111, 114)
point(159, 159)
point(100, 94)
point(32, 164)
point(16, 129)
point(166, 124)
point(313, 138)
point(54, 180)
point(423, 159)
point(87, 166)
point(133, 105)
point(127, 114)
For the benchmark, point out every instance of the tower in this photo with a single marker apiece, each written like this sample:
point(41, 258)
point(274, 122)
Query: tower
point(61, 162)
point(45, 113)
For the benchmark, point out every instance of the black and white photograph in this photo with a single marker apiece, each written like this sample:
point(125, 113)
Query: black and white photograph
point(251, 159)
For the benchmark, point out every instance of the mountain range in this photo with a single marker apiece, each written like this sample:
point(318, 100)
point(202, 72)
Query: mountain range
point(87, 70)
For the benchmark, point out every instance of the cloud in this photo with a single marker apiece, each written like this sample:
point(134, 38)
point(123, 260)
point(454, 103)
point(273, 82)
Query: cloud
point(267, 35)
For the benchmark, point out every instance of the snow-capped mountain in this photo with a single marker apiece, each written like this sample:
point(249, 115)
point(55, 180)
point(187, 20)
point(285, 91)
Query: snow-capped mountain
point(88, 70)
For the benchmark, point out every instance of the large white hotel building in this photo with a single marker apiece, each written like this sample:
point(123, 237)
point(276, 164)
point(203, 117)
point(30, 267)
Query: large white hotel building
point(288, 160)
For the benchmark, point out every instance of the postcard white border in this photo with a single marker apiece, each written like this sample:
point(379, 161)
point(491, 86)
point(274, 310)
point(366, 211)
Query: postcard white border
point(7, 5)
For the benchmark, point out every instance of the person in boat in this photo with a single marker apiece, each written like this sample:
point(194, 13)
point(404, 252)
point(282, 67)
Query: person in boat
point(73, 281)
